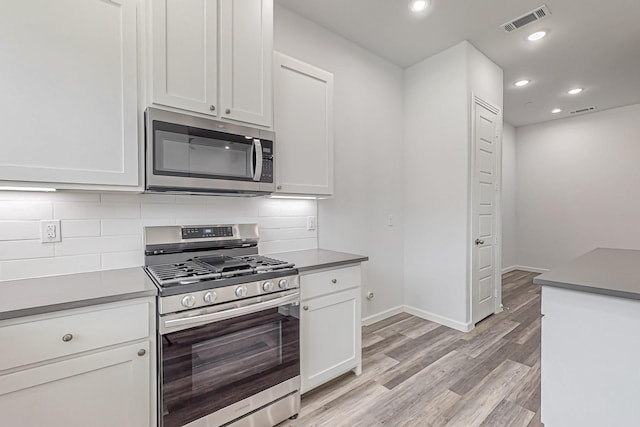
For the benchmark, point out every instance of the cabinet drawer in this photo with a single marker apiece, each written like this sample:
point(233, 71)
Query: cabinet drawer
point(329, 281)
point(43, 339)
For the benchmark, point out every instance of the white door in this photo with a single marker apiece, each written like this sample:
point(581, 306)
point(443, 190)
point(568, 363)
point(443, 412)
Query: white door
point(246, 48)
point(69, 85)
point(185, 68)
point(303, 122)
point(109, 388)
point(485, 274)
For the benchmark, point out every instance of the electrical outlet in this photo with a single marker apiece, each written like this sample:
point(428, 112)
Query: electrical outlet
point(390, 221)
point(50, 231)
point(311, 223)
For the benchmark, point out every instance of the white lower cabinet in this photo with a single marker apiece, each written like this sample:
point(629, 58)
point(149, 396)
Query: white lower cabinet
point(330, 332)
point(590, 346)
point(113, 385)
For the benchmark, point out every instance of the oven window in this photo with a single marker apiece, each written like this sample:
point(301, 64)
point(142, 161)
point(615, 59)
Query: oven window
point(210, 367)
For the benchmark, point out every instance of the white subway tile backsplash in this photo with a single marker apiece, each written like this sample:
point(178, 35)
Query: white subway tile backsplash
point(84, 245)
point(21, 249)
point(287, 245)
point(120, 227)
point(270, 234)
point(19, 230)
point(27, 268)
point(122, 260)
point(79, 228)
point(280, 222)
point(164, 210)
point(15, 210)
point(49, 197)
point(105, 231)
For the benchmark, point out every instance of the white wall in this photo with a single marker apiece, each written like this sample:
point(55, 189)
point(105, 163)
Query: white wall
point(104, 231)
point(578, 186)
point(368, 154)
point(509, 233)
point(437, 100)
point(435, 184)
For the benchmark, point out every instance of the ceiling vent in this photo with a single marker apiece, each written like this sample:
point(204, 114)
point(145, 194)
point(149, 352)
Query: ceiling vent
point(584, 110)
point(529, 17)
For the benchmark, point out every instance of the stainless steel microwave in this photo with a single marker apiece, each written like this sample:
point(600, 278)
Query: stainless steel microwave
point(189, 154)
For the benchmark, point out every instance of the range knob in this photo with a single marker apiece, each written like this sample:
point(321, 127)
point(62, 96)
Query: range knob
point(283, 283)
point(210, 297)
point(188, 301)
point(241, 291)
point(267, 286)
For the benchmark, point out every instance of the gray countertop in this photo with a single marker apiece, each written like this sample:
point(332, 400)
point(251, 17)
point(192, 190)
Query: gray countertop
point(614, 272)
point(314, 259)
point(46, 294)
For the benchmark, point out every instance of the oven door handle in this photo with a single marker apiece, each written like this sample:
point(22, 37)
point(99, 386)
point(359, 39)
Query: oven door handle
point(227, 314)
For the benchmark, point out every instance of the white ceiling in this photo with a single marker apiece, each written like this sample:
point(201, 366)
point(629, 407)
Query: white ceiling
point(591, 44)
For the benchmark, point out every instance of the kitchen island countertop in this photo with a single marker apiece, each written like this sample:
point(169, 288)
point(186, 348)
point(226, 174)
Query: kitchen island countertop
point(613, 272)
point(315, 259)
point(28, 297)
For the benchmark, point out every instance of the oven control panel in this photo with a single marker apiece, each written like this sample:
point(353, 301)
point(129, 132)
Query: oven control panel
point(205, 232)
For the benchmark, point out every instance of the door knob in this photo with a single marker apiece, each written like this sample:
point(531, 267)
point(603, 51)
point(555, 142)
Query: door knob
point(479, 242)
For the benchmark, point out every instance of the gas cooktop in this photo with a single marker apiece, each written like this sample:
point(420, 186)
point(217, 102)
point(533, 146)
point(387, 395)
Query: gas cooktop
point(187, 259)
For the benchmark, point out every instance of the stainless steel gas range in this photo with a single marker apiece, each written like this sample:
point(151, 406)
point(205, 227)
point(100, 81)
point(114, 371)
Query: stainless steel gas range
point(228, 327)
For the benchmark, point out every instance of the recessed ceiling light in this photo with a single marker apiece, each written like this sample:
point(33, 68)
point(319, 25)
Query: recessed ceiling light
point(521, 83)
point(556, 110)
point(575, 91)
point(537, 36)
point(418, 5)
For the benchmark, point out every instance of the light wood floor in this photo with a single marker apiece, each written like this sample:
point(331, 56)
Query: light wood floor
point(418, 373)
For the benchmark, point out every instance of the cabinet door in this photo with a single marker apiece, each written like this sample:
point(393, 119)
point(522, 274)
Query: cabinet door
point(69, 87)
point(246, 49)
point(185, 50)
point(303, 122)
point(330, 337)
point(110, 388)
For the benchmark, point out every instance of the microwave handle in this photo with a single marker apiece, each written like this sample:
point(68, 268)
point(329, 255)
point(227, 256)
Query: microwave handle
point(257, 167)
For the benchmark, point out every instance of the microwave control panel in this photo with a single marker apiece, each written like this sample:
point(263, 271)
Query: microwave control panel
point(204, 232)
point(267, 162)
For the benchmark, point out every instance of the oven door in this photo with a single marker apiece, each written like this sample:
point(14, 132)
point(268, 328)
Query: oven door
point(216, 368)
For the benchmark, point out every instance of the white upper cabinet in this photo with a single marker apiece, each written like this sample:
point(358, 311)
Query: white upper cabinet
point(246, 49)
point(303, 122)
point(69, 84)
point(187, 55)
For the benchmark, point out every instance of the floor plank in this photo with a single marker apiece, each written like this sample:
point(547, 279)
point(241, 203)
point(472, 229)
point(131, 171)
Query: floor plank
point(417, 373)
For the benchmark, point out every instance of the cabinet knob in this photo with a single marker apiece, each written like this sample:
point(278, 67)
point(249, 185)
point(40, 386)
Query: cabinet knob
point(142, 352)
point(67, 337)
point(305, 308)
point(279, 187)
point(227, 111)
point(212, 108)
point(334, 281)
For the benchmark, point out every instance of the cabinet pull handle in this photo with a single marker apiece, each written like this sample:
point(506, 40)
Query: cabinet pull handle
point(334, 281)
point(212, 107)
point(142, 352)
point(67, 337)
point(227, 111)
point(306, 308)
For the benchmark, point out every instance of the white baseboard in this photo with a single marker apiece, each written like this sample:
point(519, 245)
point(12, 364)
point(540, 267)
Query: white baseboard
point(531, 269)
point(509, 269)
point(369, 320)
point(463, 327)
